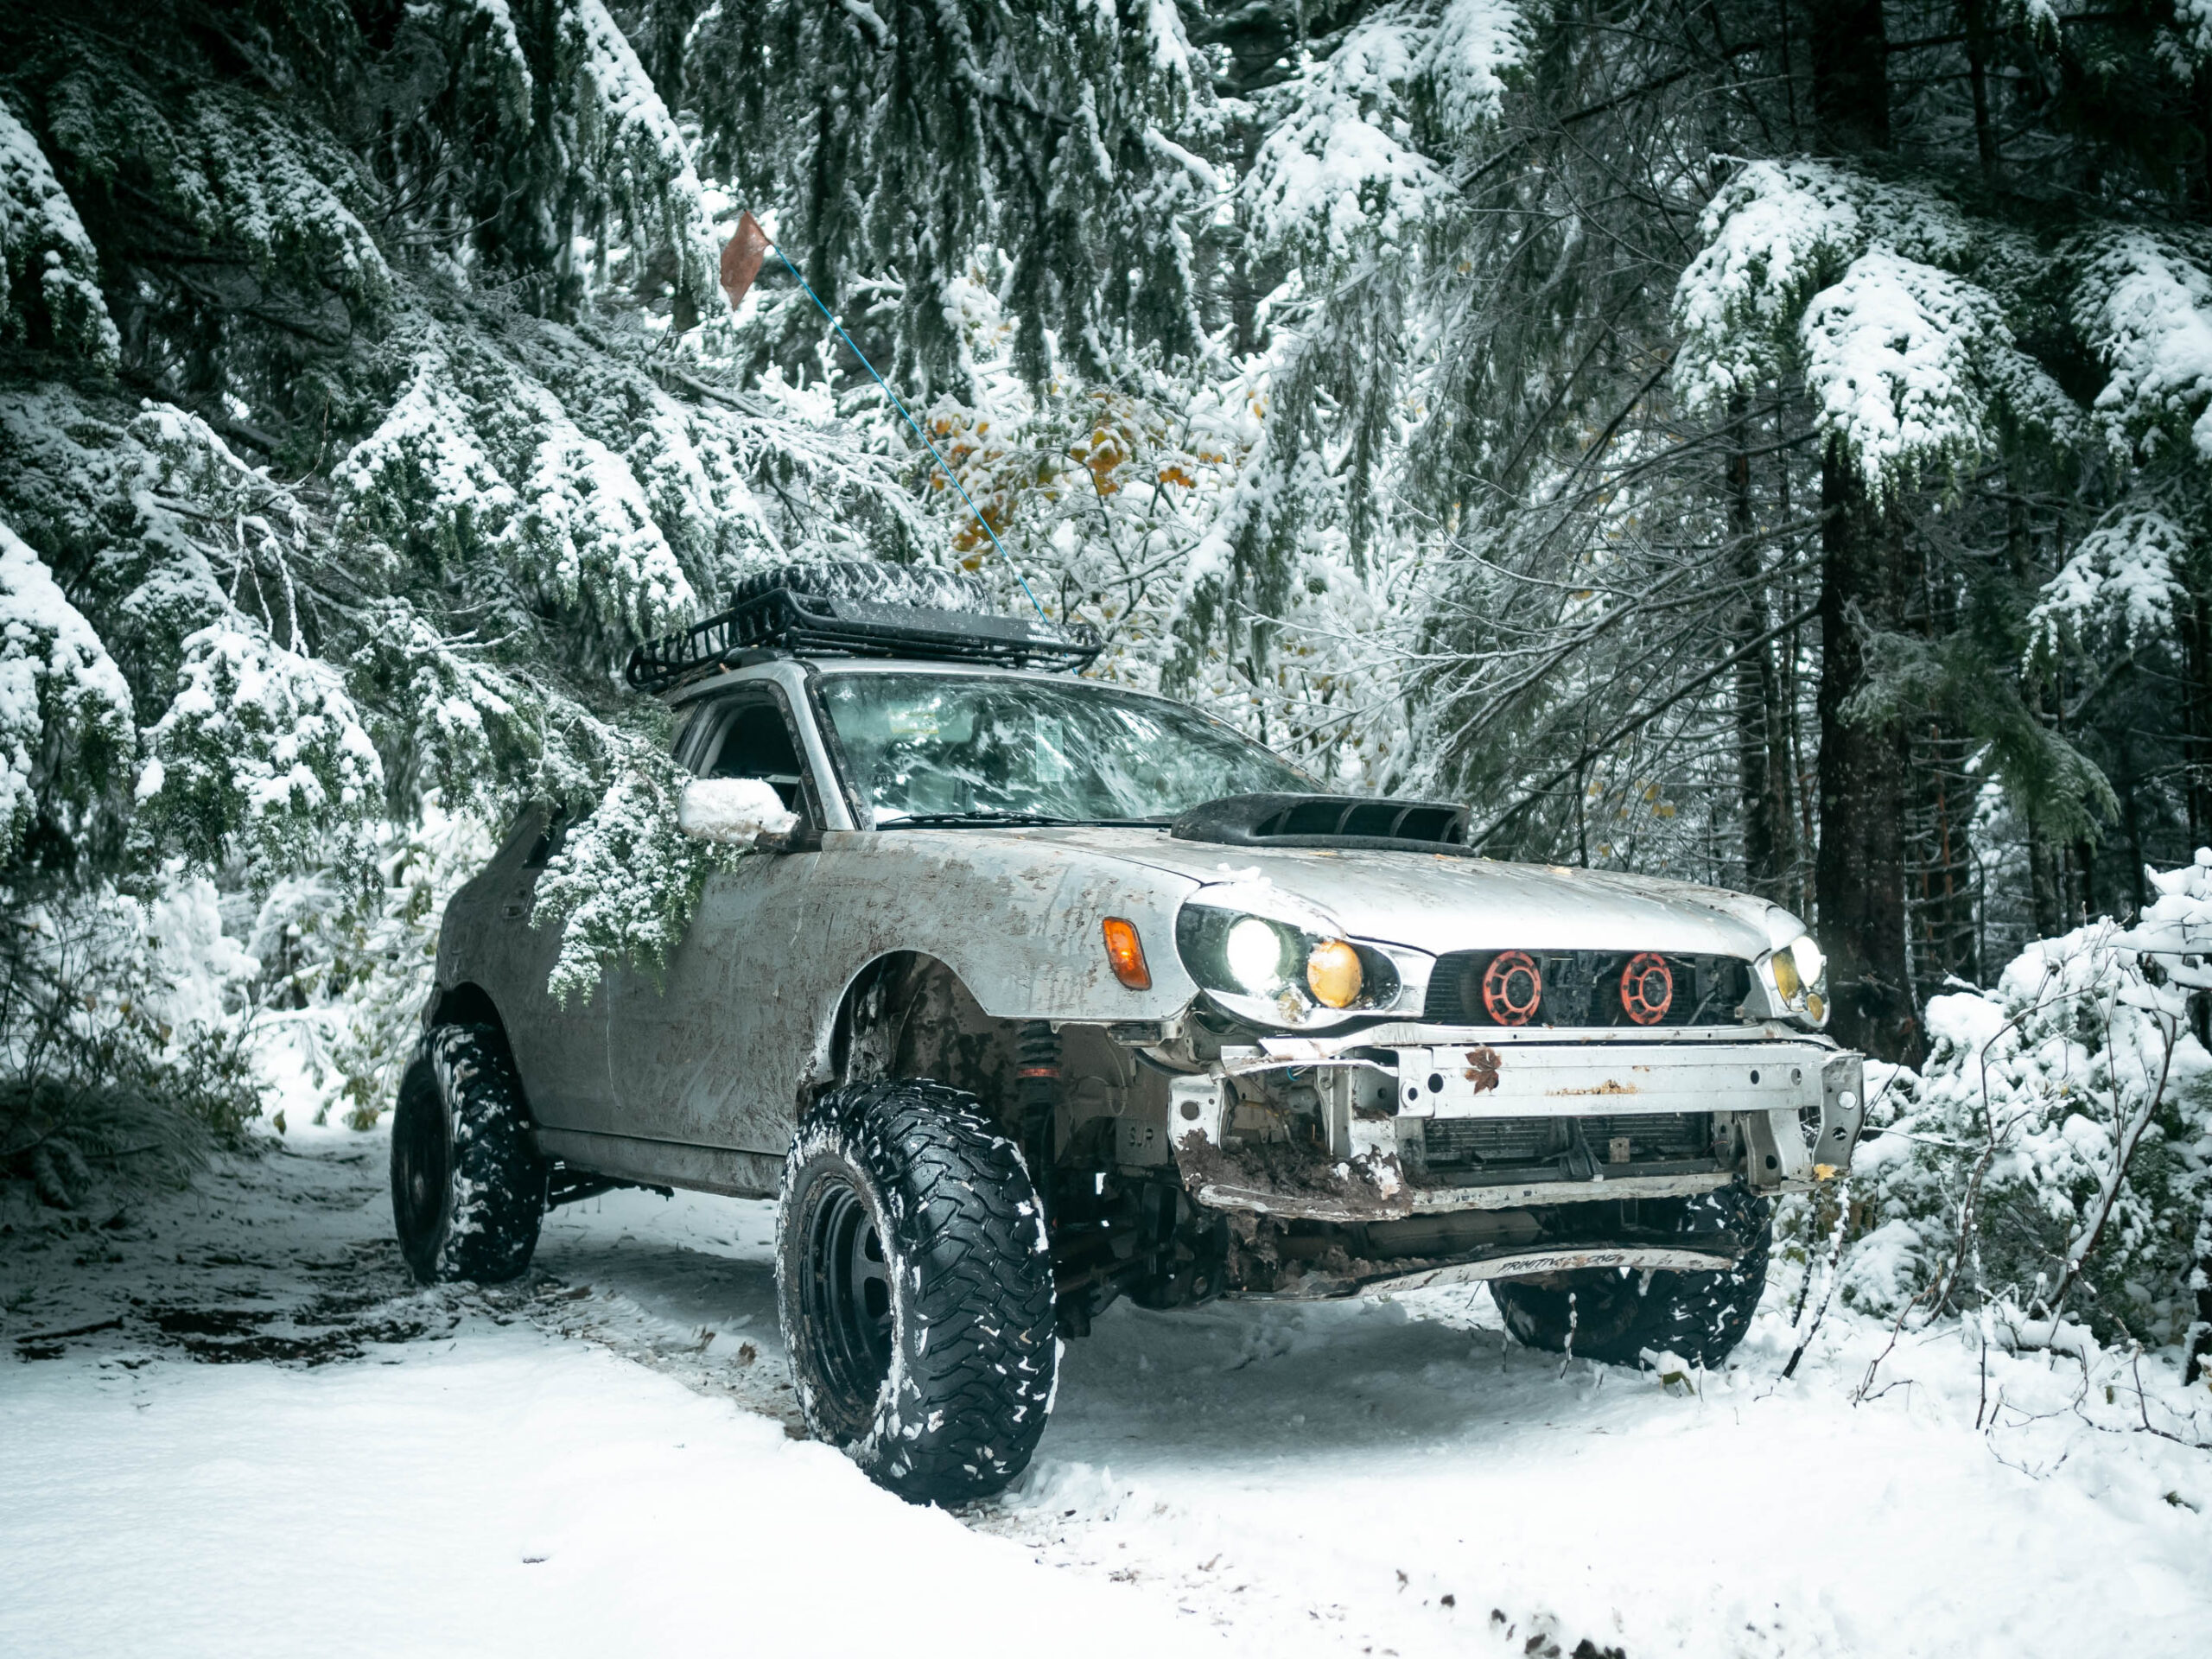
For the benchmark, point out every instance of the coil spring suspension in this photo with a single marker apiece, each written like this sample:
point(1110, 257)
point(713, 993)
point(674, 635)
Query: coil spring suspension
point(1037, 1081)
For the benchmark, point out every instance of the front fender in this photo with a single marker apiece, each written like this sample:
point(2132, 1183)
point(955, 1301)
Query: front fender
point(1019, 922)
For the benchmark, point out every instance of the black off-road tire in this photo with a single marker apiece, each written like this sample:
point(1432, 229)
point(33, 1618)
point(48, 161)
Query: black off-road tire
point(1617, 1316)
point(468, 1186)
point(914, 1282)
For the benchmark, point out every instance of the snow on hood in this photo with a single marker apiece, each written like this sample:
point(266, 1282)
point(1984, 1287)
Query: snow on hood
point(1439, 902)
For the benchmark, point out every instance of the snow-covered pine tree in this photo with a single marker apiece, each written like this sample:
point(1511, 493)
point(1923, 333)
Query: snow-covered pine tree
point(896, 141)
point(1641, 426)
point(1748, 408)
point(355, 420)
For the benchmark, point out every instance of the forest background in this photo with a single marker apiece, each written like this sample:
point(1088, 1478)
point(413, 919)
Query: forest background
point(1760, 441)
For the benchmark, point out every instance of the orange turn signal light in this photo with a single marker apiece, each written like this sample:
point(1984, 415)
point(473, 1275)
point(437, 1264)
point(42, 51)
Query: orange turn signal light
point(1126, 951)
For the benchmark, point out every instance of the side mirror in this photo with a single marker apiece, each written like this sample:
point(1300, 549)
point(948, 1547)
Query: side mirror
point(742, 812)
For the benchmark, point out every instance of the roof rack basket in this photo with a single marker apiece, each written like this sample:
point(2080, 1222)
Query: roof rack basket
point(858, 610)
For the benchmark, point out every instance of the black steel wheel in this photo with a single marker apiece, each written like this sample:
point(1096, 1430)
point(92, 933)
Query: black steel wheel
point(468, 1186)
point(1616, 1316)
point(914, 1283)
point(845, 1295)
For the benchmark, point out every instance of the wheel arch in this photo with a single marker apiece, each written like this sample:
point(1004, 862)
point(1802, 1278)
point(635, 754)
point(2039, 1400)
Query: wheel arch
point(466, 1003)
point(910, 1014)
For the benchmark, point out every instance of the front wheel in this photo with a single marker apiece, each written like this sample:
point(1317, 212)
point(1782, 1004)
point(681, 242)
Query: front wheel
point(914, 1283)
point(1615, 1315)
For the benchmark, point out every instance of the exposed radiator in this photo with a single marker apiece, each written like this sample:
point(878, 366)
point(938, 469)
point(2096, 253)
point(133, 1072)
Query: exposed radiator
point(1485, 1141)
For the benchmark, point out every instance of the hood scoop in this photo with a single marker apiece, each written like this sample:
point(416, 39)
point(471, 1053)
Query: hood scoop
point(1328, 821)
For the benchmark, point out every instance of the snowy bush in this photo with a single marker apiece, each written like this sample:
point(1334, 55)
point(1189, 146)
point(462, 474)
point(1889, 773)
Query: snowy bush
point(345, 969)
point(121, 1051)
point(2054, 1157)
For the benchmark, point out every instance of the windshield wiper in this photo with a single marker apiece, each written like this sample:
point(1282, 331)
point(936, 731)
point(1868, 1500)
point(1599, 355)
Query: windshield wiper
point(1018, 820)
point(965, 820)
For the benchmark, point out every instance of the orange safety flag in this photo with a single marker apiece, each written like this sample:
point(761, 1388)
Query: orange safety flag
point(741, 257)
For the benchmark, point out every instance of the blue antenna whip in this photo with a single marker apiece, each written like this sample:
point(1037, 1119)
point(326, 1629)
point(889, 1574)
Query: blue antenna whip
point(919, 432)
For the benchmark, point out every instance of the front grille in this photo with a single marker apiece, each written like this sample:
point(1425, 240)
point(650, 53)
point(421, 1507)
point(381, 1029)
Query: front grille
point(1582, 988)
point(1491, 1141)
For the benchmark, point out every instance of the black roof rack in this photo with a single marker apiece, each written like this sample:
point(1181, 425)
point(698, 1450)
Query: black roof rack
point(864, 610)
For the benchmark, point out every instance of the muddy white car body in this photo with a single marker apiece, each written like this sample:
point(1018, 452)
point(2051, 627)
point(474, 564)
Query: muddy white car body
point(1027, 993)
point(1445, 1138)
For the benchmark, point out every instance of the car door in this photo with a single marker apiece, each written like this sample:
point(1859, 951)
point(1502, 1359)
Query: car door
point(675, 1041)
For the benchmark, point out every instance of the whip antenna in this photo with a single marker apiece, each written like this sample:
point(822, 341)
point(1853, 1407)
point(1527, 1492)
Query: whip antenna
point(742, 260)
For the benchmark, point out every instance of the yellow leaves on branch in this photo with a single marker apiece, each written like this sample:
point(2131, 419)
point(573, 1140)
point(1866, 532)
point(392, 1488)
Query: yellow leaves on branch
point(1119, 441)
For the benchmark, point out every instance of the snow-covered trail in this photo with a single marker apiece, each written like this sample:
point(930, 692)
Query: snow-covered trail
point(1323, 1477)
point(1384, 1478)
point(230, 1425)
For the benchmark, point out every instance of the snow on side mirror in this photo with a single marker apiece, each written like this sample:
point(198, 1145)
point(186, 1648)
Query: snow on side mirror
point(734, 812)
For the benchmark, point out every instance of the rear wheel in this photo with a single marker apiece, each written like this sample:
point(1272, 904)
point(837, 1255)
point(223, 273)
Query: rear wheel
point(468, 1186)
point(914, 1281)
point(1608, 1314)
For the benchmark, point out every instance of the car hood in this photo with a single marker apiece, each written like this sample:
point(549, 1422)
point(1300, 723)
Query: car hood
point(1440, 902)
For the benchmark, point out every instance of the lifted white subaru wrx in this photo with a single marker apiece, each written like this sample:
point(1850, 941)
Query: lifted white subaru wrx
point(1041, 992)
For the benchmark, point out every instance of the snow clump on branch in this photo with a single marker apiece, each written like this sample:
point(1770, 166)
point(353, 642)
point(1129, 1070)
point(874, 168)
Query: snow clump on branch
point(2144, 306)
point(1341, 166)
point(626, 880)
point(64, 710)
point(47, 262)
point(261, 747)
point(1893, 358)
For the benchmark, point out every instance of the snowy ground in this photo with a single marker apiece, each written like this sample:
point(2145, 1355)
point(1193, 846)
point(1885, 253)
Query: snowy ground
point(606, 1456)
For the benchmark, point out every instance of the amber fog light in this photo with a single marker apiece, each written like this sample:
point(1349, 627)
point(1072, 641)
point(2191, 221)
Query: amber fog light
point(1786, 979)
point(1126, 951)
point(1332, 974)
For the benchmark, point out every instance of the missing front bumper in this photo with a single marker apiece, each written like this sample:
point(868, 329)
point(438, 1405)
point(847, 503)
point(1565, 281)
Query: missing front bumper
point(1332, 1130)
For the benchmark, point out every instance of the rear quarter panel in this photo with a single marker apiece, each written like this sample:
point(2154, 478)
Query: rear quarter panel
point(487, 940)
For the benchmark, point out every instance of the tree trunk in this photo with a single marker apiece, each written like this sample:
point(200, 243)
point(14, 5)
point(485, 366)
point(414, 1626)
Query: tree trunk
point(2195, 619)
point(1761, 759)
point(1984, 128)
point(1860, 874)
point(1850, 76)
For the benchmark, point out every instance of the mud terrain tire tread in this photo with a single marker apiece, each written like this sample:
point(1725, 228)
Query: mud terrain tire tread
point(468, 1186)
point(1699, 1316)
point(973, 1347)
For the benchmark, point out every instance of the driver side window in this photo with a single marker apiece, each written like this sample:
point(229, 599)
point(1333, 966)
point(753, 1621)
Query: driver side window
point(754, 739)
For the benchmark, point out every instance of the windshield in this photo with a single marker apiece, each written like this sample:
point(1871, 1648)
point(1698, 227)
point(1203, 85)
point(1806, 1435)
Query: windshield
point(938, 747)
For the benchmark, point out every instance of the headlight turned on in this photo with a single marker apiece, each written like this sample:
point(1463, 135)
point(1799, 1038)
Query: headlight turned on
point(1254, 951)
point(1242, 956)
